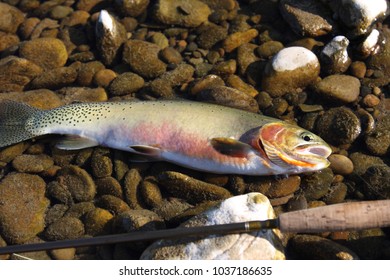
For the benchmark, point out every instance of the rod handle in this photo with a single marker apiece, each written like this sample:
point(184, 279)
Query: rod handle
point(337, 217)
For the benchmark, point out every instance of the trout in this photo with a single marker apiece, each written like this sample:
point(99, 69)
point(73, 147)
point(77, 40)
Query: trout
point(196, 135)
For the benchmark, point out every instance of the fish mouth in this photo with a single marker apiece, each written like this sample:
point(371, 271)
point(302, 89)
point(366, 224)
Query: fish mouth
point(320, 150)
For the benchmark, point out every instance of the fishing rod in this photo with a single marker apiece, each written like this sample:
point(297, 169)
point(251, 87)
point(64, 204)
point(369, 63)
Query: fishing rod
point(336, 217)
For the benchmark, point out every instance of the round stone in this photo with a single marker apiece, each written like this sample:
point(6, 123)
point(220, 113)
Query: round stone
point(291, 70)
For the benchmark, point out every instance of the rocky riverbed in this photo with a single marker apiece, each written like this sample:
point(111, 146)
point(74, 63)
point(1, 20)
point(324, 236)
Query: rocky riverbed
point(324, 65)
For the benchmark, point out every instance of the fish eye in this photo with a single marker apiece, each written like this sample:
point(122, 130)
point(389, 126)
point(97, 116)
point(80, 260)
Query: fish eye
point(306, 136)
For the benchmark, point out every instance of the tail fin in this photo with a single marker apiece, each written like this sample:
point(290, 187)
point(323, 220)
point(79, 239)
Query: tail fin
point(13, 118)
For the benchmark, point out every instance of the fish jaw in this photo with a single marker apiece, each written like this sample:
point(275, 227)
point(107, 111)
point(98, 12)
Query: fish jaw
point(294, 148)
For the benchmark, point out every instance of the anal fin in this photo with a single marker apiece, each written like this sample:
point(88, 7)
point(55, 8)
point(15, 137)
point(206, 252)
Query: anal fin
point(74, 142)
point(147, 151)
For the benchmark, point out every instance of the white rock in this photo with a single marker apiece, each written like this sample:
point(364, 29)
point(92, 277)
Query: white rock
point(338, 45)
point(263, 244)
point(370, 44)
point(110, 35)
point(293, 58)
point(290, 71)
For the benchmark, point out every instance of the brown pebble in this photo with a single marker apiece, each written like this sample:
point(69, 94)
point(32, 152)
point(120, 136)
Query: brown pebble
point(97, 222)
point(191, 189)
point(150, 192)
point(131, 189)
point(358, 69)
point(104, 77)
point(63, 254)
point(370, 100)
point(340, 164)
point(112, 204)
point(65, 228)
point(237, 39)
point(171, 56)
point(32, 163)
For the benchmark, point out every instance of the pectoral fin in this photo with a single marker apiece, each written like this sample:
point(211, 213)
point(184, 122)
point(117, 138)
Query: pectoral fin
point(230, 147)
point(74, 142)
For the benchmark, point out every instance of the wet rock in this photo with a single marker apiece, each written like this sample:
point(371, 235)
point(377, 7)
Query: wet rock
point(291, 70)
point(131, 8)
point(170, 208)
point(376, 182)
point(112, 204)
point(340, 164)
point(171, 56)
point(78, 210)
point(22, 207)
point(336, 194)
point(110, 35)
point(59, 193)
point(304, 246)
point(69, 95)
point(87, 71)
point(237, 39)
point(380, 61)
point(206, 82)
point(229, 97)
point(143, 58)
point(151, 193)
point(40, 98)
point(63, 254)
point(11, 18)
point(307, 18)
point(16, 73)
point(273, 188)
point(362, 162)
point(236, 82)
point(182, 12)
point(358, 69)
point(370, 45)
point(55, 212)
point(210, 34)
point(9, 153)
point(269, 49)
point(359, 15)
point(334, 56)
point(338, 126)
point(131, 188)
point(263, 245)
point(247, 61)
point(55, 79)
point(104, 77)
point(126, 83)
point(97, 222)
point(225, 67)
point(8, 41)
point(65, 228)
point(32, 163)
point(108, 185)
point(78, 182)
point(339, 88)
point(378, 140)
point(194, 191)
point(47, 53)
point(101, 166)
point(370, 101)
point(137, 220)
point(316, 185)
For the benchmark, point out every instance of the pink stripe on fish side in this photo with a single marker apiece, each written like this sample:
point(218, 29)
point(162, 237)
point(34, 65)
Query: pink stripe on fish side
point(170, 138)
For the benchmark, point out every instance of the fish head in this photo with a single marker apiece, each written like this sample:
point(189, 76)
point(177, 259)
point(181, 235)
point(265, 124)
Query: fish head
point(293, 148)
